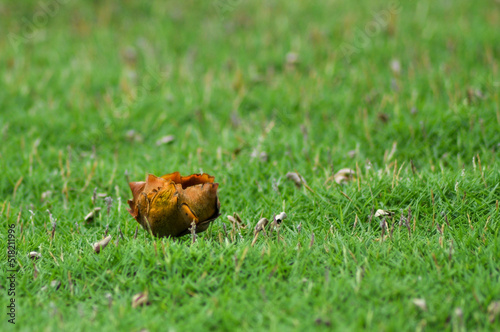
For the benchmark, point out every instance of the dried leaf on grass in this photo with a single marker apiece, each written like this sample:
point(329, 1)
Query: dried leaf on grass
point(167, 205)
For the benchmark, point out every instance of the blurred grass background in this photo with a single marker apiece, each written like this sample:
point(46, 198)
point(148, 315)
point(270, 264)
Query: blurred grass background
point(252, 90)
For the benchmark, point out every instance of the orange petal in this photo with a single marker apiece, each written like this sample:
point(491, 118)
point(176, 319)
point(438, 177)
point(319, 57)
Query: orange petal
point(190, 180)
point(175, 177)
point(153, 182)
point(202, 200)
point(137, 188)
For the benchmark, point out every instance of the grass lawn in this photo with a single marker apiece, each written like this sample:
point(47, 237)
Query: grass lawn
point(405, 94)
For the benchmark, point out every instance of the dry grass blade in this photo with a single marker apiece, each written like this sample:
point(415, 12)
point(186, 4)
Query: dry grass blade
point(193, 231)
point(35, 271)
point(121, 233)
point(383, 225)
point(109, 203)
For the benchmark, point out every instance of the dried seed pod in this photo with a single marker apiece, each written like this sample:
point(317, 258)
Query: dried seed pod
point(55, 284)
point(396, 66)
point(165, 140)
point(261, 225)
point(280, 217)
point(100, 245)
point(381, 213)
point(232, 220)
point(140, 299)
point(92, 214)
point(296, 178)
point(420, 303)
point(239, 220)
point(133, 136)
point(277, 220)
point(34, 255)
point(344, 175)
point(45, 195)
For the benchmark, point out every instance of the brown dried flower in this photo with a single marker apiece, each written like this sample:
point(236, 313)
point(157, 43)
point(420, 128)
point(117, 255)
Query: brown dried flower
point(167, 205)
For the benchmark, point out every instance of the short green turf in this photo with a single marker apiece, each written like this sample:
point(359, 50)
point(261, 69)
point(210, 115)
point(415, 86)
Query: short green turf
point(406, 94)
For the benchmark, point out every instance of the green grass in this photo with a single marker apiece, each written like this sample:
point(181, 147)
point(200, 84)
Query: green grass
point(215, 75)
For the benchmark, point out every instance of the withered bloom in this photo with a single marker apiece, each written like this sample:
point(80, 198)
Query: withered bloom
point(168, 205)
